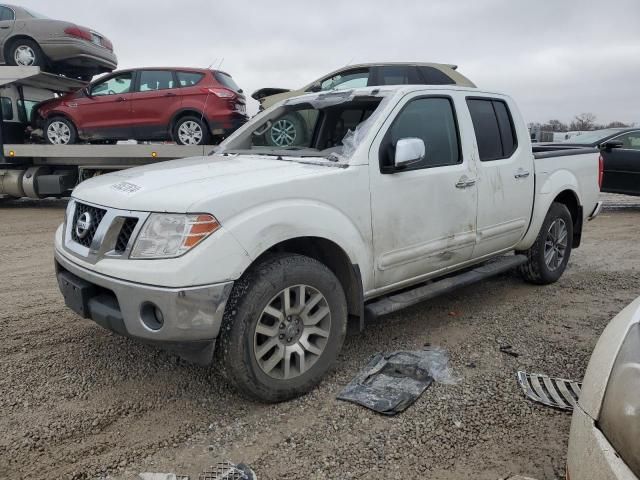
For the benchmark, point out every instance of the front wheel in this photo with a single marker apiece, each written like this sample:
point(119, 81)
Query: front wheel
point(548, 257)
point(60, 131)
point(283, 328)
point(190, 130)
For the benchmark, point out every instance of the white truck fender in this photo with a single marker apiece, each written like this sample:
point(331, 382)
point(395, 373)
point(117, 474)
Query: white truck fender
point(548, 187)
point(261, 227)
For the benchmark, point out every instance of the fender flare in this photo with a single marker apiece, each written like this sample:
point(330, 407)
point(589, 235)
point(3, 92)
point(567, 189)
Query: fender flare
point(549, 189)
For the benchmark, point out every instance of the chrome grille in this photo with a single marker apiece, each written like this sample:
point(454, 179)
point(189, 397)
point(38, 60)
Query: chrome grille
point(124, 236)
point(96, 215)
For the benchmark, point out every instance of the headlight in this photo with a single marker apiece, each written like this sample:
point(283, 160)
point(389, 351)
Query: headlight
point(168, 235)
point(620, 413)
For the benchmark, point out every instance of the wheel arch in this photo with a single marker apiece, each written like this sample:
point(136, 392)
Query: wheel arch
point(19, 36)
point(186, 112)
point(334, 257)
point(567, 196)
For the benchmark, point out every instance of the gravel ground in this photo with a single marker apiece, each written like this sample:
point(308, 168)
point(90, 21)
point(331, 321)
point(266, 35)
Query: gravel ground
point(80, 402)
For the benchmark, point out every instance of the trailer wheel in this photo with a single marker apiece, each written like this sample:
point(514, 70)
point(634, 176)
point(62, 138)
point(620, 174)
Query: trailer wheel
point(283, 327)
point(548, 256)
point(60, 131)
point(25, 52)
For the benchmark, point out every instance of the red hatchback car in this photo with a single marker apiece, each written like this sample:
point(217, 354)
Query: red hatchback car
point(189, 106)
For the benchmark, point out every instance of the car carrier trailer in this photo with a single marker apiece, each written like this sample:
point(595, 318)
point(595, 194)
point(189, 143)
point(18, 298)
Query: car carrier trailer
point(42, 170)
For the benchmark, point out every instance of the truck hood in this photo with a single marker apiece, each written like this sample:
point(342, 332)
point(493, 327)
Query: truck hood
point(180, 185)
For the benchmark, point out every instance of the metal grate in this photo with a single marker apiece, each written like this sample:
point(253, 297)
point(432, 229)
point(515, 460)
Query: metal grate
point(553, 392)
point(124, 236)
point(228, 471)
point(94, 215)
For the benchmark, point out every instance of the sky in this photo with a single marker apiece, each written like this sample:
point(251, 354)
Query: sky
point(557, 58)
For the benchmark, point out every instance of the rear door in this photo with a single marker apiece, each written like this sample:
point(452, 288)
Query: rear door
point(7, 20)
point(622, 165)
point(423, 216)
point(505, 175)
point(106, 113)
point(155, 99)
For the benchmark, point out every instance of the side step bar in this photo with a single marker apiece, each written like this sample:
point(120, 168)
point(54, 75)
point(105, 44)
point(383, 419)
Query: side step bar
point(392, 303)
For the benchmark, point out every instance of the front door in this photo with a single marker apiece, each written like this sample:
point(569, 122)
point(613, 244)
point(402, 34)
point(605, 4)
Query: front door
point(505, 176)
point(423, 216)
point(106, 113)
point(622, 165)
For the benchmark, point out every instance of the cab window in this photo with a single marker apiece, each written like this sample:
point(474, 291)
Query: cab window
point(347, 79)
point(113, 86)
point(431, 119)
point(7, 108)
point(629, 140)
point(156, 80)
point(6, 14)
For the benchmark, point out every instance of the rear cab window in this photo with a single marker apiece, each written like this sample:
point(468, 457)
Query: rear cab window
point(494, 128)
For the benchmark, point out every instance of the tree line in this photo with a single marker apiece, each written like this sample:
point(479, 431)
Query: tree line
point(584, 121)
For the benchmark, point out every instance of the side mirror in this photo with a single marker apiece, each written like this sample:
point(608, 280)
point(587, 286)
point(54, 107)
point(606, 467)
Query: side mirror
point(316, 87)
point(87, 92)
point(608, 146)
point(409, 151)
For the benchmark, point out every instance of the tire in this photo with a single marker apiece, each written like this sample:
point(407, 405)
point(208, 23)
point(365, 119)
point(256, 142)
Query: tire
point(541, 271)
point(25, 52)
point(60, 131)
point(190, 130)
point(252, 340)
point(286, 132)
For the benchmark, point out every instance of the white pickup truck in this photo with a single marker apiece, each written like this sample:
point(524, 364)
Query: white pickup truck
point(386, 196)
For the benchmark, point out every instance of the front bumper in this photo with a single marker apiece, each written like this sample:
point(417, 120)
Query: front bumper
point(191, 316)
point(590, 455)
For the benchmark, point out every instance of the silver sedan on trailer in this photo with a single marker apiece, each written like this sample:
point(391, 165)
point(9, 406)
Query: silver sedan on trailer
point(28, 38)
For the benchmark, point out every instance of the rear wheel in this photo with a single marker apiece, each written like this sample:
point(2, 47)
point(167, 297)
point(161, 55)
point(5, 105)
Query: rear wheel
point(548, 257)
point(190, 130)
point(25, 52)
point(60, 131)
point(283, 328)
point(286, 132)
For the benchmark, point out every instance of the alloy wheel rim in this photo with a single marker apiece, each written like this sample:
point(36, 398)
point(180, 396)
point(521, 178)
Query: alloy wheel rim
point(292, 332)
point(283, 133)
point(24, 55)
point(190, 133)
point(58, 133)
point(555, 244)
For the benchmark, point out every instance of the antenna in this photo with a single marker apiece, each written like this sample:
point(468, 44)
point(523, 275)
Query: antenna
point(220, 64)
point(211, 64)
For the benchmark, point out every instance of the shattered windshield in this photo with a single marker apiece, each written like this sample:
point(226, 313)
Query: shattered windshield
point(323, 125)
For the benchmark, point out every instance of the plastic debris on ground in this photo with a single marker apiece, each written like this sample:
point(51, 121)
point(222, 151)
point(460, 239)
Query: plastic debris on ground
point(228, 471)
point(393, 381)
point(161, 476)
point(553, 392)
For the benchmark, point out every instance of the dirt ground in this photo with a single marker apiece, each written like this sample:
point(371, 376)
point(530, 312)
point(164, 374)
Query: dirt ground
point(79, 402)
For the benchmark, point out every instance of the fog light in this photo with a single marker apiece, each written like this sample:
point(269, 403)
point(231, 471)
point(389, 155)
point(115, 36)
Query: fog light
point(151, 316)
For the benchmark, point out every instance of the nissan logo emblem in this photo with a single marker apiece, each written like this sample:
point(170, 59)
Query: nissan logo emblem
point(83, 225)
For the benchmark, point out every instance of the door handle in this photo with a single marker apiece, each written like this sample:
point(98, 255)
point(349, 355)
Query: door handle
point(169, 94)
point(465, 182)
point(120, 99)
point(521, 173)
point(5, 28)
